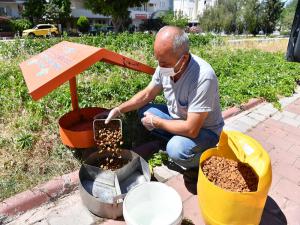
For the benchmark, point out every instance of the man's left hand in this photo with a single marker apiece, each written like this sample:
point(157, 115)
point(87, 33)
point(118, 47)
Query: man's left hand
point(147, 121)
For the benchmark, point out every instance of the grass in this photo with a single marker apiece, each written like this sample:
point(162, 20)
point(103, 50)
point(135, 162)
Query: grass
point(30, 148)
point(278, 45)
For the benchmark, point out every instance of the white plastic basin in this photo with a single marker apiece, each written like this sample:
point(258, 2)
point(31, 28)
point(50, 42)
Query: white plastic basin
point(152, 203)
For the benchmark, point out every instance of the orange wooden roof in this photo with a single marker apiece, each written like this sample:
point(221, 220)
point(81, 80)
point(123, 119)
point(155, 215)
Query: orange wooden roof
point(48, 70)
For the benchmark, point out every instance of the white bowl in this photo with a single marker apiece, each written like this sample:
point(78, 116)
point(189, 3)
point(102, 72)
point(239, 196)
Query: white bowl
point(152, 203)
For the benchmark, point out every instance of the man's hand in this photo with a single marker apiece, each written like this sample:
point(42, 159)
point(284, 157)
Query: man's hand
point(109, 115)
point(147, 121)
point(114, 113)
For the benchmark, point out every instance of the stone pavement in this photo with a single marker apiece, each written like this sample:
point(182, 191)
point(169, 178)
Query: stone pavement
point(277, 131)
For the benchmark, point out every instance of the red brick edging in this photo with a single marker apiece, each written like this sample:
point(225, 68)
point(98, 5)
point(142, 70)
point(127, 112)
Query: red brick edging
point(40, 194)
point(65, 184)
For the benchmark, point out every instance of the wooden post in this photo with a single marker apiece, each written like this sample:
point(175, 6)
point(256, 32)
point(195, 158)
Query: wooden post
point(74, 96)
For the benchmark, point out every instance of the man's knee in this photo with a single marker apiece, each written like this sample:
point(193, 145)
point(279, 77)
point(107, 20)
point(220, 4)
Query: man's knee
point(177, 149)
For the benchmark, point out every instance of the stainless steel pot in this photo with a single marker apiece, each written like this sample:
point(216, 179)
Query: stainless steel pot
point(103, 191)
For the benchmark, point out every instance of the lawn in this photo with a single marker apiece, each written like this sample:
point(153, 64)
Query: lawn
point(30, 148)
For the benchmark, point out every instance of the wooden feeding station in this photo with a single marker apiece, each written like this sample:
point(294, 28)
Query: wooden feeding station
point(53, 67)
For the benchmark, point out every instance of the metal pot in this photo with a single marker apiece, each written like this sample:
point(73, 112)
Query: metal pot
point(103, 191)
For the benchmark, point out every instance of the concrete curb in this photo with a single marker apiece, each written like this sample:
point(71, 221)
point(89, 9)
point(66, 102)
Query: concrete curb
point(39, 195)
point(233, 111)
point(59, 186)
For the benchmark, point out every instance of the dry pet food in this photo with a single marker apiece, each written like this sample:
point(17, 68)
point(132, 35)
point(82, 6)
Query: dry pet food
point(108, 139)
point(229, 174)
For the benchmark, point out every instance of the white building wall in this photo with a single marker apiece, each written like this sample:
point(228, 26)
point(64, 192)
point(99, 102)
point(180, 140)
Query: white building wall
point(11, 9)
point(191, 9)
point(139, 14)
point(78, 9)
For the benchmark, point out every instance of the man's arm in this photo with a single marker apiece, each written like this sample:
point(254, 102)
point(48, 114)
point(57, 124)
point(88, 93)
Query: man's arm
point(140, 99)
point(188, 128)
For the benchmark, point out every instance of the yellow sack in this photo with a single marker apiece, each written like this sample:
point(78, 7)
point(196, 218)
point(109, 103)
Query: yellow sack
point(219, 206)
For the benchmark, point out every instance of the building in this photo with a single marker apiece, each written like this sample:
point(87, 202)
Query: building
point(137, 14)
point(147, 10)
point(192, 9)
point(11, 8)
point(78, 10)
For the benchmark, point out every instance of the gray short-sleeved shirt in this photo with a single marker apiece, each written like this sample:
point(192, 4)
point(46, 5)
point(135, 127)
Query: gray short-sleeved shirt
point(196, 91)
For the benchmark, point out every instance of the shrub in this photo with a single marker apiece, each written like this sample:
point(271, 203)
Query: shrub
point(83, 24)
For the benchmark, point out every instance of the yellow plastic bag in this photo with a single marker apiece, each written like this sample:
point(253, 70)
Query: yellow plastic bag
point(219, 206)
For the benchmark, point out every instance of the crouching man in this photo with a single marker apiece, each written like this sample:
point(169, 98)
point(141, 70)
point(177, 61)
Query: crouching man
point(191, 121)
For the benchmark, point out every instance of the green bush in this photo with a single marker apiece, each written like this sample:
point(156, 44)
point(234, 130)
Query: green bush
point(21, 24)
point(83, 24)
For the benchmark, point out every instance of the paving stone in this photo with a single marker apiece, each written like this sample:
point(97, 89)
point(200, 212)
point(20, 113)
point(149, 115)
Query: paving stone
point(192, 211)
point(295, 149)
point(113, 222)
point(162, 173)
point(290, 121)
point(288, 114)
point(289, 190)
point(293, 138)
point(267, 110)
point(277, 155)
point(248, 120)
point(279, 143)
point(297, 163)
point(291, 212)
point(286, 101)
point(272, 214)
point(277, 116)
point(275, 180)
point(177, 183)
point(75, 213)
point(239, 126)
point(280, 200)
point(257, 116)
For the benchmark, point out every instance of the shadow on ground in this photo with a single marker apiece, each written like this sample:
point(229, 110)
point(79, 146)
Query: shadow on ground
point(272, 214)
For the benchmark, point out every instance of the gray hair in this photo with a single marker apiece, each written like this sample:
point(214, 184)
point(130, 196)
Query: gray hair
point(181, 44)
point(180, 40)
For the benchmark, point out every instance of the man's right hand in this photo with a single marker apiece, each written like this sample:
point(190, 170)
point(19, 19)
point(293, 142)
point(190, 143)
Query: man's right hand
point(114, 113)
point(109, 115)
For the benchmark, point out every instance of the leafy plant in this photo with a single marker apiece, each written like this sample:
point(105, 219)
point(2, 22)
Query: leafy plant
point(157, 159)
point(21, 24)
point(25, 141)
point(83, 24)
point(175, 20)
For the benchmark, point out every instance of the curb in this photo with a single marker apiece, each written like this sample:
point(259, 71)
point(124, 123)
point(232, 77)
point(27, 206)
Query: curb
point(233, 111)
point(65, 184)
point(39, 195)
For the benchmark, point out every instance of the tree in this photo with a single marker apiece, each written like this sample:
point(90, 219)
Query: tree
point(57, 11)
point(83, 24)
point(115, 8)
point(287, 15)
point(34, 10)
point(271, 10)
point(174, 20)
point(252, 16)
point(20, 24)
point(213, 18)
point(64, 7)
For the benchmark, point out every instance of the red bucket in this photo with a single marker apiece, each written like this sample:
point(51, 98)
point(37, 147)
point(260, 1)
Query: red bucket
point(76, 127)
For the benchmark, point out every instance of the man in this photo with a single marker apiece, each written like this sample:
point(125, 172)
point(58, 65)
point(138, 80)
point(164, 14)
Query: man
point(191, 121)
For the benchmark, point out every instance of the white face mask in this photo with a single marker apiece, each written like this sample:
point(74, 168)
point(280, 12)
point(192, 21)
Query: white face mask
point(168, 71)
